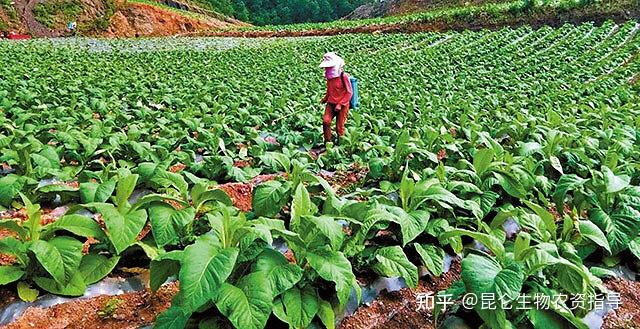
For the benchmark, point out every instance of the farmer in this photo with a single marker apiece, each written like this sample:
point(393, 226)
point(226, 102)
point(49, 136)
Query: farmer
point(337, 97)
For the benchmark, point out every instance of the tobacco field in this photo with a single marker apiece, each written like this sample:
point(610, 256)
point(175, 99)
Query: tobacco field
point(459, 136)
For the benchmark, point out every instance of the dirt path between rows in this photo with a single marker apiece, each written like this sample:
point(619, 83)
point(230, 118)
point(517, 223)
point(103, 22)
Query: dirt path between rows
point(400, 309)
point(127, 311)
point(24, 8)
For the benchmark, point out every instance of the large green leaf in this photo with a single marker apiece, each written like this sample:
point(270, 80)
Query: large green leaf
point(76, 224)
point(432, 258)
point(511, 185)
point(411, 224)
point(94, 267)
point(620, 227)
point(124, 189)
point(565, 184)
point(300, 306)
point(615, 183)
point(71, 251)
point(269, 198)
point(205, 267)
point(75, 286)
point(122, 229)
point(333, 266)
point(167, 222)
point(94, 192)
point(545, 319)
point(483, 274)
point(392, 262)
point(326, 314)
point(50, 258)
point(10, 274)
point(301, 206)
point(173, 318)
point(9, 187)
point(546, 216)
point(248, 304)
point(592, 232)
point(280, 274)
point(328, 227)
point(489, 241)
point(482, 160)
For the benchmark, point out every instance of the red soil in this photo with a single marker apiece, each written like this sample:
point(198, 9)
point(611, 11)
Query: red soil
point(399, 309)
point(628, 314)
point(133, 310)
point(242, 193)
point(139, 19)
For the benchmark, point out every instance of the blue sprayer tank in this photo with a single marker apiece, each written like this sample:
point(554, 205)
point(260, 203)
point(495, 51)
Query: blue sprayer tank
point(355, 98)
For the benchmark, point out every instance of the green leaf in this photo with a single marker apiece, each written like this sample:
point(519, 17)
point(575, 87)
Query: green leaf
point(94, 192)
point(546, 216)
point(300, 306)
point(280, 275)
point(161, 270)
point(50, 258)
point(26, 293)
point(76, 224)
point(10, 186)
point(333, 266)
point(326, 315)
point(634, 247)
point(328, 227)
point(432, 258)
point(204, 268)
point(94, 267)
point(392, 262)
point(538, 257)
point(571, 278)
point(483, 274)
point(565, 184)
point(591, 231)
point(555, 163)
point(301, 206)
point(213, 195)
point(167, 222)
point(511, 185)
point(173, 318)
point(482, 160)
point(411, 224)
point(247, 305)
point(75, 286)
point(487, 240)
point(125, 187)
point(620, 227)
point(10, 274)
point(167, 179)
point(122, 230)
point(545, 319)
point(71, 251)
point(615, 183)
point(269, 198)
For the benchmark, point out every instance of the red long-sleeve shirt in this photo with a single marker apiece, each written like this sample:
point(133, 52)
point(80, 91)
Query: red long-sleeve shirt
point(339, 90)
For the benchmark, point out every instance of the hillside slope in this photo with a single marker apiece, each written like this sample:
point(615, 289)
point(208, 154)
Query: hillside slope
point(108, 18)
point(398, 7)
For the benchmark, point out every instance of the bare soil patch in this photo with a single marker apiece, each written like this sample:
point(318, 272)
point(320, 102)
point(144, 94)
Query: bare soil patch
point(628, 314)
point(399, 309)
point(129, 310)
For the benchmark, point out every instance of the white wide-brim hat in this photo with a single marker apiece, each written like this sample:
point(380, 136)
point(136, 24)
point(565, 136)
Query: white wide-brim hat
point(331, 59)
